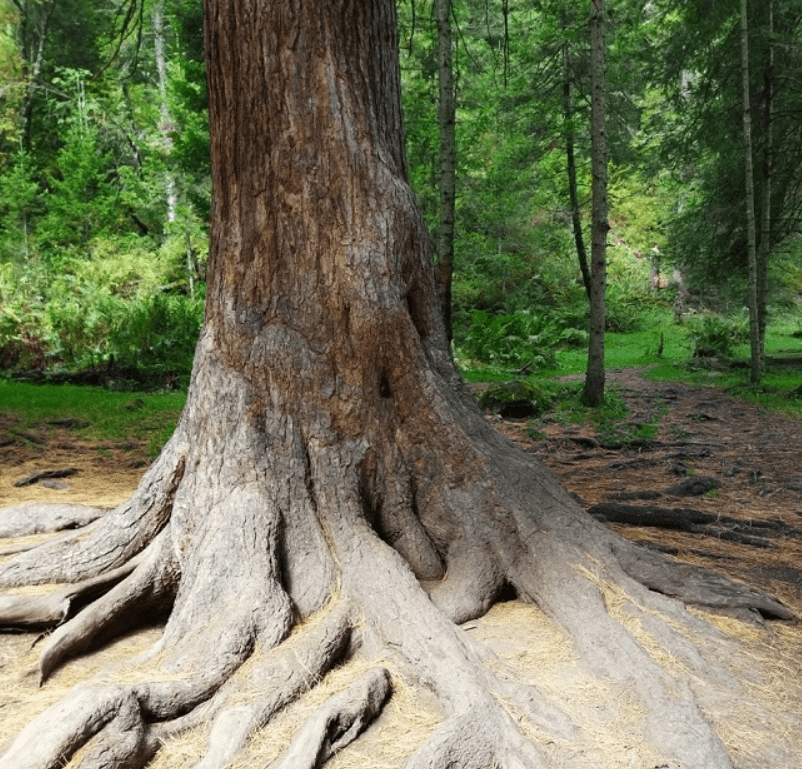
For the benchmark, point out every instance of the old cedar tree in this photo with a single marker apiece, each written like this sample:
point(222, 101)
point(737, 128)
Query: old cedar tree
point(330, 463)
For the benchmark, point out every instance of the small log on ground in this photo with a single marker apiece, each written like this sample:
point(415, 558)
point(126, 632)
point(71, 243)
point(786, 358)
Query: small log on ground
point(28, 480)
point(693, 487)
point(749, 532)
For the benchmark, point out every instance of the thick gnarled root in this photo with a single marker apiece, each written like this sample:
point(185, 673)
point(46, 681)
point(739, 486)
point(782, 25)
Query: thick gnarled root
point(692, 584)
point(112, 723)
point(151, 584)
point(241, 707)
point(110, 541)
point(38, 518)
point(338, 722)
point(479, 737)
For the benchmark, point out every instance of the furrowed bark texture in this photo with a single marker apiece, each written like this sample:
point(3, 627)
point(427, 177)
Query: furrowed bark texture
point(593, 392)
point(329, 465)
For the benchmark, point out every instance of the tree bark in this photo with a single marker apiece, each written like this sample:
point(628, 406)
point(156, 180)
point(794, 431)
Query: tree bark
point(751, 237)
point(593, 392)
point(329, 466)
point(764, 252)
point(448, 161)
point(576, 213)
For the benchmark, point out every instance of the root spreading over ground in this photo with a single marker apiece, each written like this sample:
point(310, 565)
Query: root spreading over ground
point(265, 613)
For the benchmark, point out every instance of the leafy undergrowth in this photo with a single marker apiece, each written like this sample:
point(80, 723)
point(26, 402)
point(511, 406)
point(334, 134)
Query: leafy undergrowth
point(665, 350)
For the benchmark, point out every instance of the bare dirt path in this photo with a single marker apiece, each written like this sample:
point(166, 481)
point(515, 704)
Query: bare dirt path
point(749, 460)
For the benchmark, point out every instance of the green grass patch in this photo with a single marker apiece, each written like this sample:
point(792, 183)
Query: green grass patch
point(99, 414)
point(780, 390)
point(638, 348)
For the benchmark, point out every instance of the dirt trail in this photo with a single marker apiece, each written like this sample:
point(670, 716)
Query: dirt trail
point(753, 457)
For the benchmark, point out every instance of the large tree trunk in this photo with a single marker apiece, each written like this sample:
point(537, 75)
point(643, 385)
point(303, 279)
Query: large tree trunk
point(330, 465)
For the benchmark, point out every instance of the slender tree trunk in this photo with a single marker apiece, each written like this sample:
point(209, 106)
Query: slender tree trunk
point(573, 196)
point(764, 252)
point(34, 23)
point(754, 317)
point(593, 393)
point(166, 126)
point(448, 161)
point(330, 466)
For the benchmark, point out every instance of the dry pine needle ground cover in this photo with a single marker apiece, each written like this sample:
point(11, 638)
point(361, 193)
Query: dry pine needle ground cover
point(748, 524)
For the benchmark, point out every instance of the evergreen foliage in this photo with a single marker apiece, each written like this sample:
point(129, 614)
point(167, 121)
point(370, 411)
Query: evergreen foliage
point(104, 204)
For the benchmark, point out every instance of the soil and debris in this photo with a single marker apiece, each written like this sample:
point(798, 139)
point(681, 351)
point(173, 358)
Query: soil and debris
point(720, 484)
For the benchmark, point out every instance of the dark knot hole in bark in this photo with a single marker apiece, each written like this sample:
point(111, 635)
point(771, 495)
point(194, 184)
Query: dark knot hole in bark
point(384, 386)
point(416, 314)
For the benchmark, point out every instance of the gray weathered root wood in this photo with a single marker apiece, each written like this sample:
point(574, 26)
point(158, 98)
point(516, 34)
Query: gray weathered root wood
point(106, 543)
point(53, 608)
point(238, 709)
point(338, 722)
point(150, 579)
point(38, 518)
point(247, 527)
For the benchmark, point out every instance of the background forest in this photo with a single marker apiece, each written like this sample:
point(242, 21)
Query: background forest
point(104, 177)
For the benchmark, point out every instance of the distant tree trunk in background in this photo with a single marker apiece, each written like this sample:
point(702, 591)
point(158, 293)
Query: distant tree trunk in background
point(31, 38)
point(593, 394)
point(448, 155)
point(754, 322)
point(576, 214)
point(764, 252)
point(164, 108)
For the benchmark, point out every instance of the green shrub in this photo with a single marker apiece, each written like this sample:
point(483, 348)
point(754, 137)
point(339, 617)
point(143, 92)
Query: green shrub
point(518, 398)
point(23, 342)
point(149, 339)
point(82, 317)
point(158, 336)
point(713, 334)
point(509, 340)
point(521, 339)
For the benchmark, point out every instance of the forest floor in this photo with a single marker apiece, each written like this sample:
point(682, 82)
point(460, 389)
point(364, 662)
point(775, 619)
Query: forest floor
point(709, 478)
point(687, 448)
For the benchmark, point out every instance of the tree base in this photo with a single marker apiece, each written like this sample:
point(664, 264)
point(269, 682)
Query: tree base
point(284, 558)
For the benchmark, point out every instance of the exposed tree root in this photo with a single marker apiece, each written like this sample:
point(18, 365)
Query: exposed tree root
point(37, 518)
point(53, 608)
point(692, 584)
point(339, 722)
point(106, 543)
point(152, 581)
point(239, 709)
point(255, 528)
point(114, 721)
